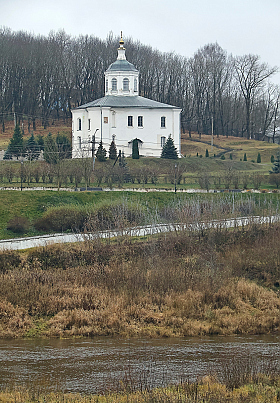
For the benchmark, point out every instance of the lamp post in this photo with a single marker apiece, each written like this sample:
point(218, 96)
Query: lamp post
point(175, 178)
point(21, 169)
point(212, 134)
point(93, 149)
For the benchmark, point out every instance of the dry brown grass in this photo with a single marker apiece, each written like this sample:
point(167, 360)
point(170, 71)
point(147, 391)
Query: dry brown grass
point(172, 285)
point(61, 126)
point(238, 145)
point(206, 390)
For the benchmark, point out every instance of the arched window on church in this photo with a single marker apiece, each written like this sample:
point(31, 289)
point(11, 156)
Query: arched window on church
point(106, 85)
point(135, 84)
point(126, 84)
point(114, 84)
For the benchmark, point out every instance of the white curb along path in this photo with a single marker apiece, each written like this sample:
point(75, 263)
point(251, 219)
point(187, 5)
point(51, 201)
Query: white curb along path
point(44, 240)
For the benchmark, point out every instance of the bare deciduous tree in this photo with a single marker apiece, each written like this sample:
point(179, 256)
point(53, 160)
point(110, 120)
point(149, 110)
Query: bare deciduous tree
point(251, 75)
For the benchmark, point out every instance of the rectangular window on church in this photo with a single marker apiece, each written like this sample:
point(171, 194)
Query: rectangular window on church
point(88, 124)
point(162, 141)
point(130, 121)
point(162, 121)
point(140, 121)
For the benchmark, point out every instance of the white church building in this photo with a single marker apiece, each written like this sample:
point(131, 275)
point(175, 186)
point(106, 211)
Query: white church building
point(122, 115)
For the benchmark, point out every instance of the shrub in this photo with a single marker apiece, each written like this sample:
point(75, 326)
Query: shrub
point(114, 216)
point(257, 180)
point(204, 181)
point(61, 218)
point(18, 225)
point(274, 179)
point(9, 260)
point(223, 157)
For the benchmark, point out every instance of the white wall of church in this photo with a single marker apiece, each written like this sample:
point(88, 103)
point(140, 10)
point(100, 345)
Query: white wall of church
point(113, 123)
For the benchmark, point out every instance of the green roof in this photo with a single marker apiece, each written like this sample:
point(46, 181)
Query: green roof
point(121, 65)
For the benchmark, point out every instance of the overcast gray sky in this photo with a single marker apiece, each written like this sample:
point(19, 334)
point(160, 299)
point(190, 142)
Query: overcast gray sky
point(239, 26)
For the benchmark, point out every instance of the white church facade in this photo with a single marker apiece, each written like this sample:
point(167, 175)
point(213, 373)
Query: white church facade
point(122, 115)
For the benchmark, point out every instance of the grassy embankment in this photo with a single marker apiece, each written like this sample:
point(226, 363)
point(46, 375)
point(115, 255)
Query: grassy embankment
point(262, 389)
point(238, 146)
point(48, 211)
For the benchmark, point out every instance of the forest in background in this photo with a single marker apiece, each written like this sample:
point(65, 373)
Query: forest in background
point(45, 76)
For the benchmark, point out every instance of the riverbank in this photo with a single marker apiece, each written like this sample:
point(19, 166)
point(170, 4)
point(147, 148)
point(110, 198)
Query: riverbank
point(261, 389)
point(172, 285)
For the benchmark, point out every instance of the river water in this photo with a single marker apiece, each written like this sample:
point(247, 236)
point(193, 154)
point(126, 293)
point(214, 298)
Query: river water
point(92, 365)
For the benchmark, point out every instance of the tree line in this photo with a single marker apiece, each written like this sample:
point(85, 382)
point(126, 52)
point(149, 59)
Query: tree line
point(45, 76)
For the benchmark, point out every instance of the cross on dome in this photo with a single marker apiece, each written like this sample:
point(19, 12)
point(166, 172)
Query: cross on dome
point(121, 49)
point(121, 41)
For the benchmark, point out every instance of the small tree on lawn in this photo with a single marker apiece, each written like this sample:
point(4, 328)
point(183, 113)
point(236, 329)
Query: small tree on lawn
point(123, 168)
point(259, 158)
point(51, 155)
point(112, 151)
point(274, 179)
point(206, 153)
point(169, 150)
point(245, 157)
point(63, 146)
point(135, 149)
point(32, 149)
point(276, 165)
point(15, 146)
point(101, 153)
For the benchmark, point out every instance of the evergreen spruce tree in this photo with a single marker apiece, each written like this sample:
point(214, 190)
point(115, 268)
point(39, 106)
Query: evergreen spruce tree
point(272, 159)
point(101, 153)
point(32, 149)
point(276, 166)
point(206, 153)
point(135, 149)
point(40, 142)
point(112, 151)
point(245, 157)
point(169, 150)
point(259, 158)
point(15, 146)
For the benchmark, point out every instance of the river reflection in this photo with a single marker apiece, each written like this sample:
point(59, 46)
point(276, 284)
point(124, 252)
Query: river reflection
point(89, 365)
